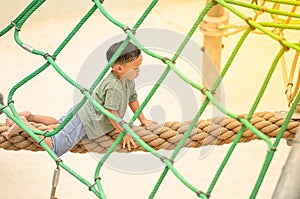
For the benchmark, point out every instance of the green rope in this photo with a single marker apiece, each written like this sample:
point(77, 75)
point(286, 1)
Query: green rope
point(280, 25)
point(23, 19)
point(254, 24)
point(42, 68)
point(295, 3)
point(271, 152)
point(240, 133)
point(144, 15)
point(96, 186)
point(242, 130)
point(21, 15)
point(256, 7)
point(136, 138)
point(180, 144)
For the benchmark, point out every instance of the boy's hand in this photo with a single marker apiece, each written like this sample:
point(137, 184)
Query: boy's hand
point(129, 142)
point(146, 122)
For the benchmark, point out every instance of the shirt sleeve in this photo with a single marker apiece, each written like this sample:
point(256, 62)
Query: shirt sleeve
point(112, 99)
point(97, 96)
point(133, 97)
point(133, 94)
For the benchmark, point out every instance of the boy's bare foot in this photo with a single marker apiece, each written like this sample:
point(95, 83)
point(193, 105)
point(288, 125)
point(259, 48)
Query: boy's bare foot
point(14, 129)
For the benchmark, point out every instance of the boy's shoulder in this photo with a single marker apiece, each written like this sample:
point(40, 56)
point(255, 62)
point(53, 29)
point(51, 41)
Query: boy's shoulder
point(111, 77)
point(110, 81)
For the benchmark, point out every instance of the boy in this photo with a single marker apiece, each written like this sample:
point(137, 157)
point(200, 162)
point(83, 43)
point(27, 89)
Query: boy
point(114, 93)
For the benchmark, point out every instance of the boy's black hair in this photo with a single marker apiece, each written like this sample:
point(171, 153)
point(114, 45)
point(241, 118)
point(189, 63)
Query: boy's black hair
point(130, 53)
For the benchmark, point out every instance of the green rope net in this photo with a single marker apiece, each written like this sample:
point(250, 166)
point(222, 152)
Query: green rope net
point(282, 20)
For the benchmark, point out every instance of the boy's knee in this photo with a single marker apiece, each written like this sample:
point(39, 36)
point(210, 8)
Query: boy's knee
point(48, 141)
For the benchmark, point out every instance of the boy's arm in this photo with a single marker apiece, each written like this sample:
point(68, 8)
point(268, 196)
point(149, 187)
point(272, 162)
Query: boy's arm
point(134, 107)
point(127, 140)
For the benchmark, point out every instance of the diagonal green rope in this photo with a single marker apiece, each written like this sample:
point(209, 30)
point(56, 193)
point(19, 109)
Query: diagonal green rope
point(256, 7)
point(214, 87)
point(42, 68)
point(256, 25)
point(242, 130)
point(295, 3)
point(137, 113)
point(271, 152)
point(32, 4)
point(281, 25)
point(19, 121)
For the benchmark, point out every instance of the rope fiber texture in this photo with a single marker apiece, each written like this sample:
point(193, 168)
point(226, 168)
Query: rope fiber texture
point(214, 131)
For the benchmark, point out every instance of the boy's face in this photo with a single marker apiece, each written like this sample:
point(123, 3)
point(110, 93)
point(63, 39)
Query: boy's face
point(131, 69)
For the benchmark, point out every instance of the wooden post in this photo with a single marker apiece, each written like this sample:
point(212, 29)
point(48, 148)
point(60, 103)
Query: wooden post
point(212, 45)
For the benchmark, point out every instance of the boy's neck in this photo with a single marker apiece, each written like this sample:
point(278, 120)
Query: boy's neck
point(120, 77)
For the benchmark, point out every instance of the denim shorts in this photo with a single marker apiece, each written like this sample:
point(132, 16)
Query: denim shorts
point(69, 136)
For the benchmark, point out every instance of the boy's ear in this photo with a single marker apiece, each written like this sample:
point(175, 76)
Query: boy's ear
point(119, 67)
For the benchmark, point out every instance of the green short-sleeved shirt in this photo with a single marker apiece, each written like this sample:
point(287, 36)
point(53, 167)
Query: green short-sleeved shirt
point(111, 94)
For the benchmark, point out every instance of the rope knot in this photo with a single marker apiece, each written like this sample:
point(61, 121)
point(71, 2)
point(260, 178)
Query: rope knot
point(248, 22)
point(97, 178)
point(281, 40)
point(162, 158)
point(201, 192)
point(15, 25)
point(48, 55)
point(165, 59)
point(127, 28)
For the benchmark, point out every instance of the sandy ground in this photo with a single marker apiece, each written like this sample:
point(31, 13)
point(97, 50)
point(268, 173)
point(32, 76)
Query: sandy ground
point(28, 174)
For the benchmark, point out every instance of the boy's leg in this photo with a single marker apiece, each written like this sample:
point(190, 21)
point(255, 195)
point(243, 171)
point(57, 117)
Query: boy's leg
point(48, 141)
point(14, 129)
point(69, 136)
point(47, 120)
point(44, 119)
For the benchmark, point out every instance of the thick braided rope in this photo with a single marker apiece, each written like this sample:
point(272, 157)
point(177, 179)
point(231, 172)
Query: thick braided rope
point(215, 131)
